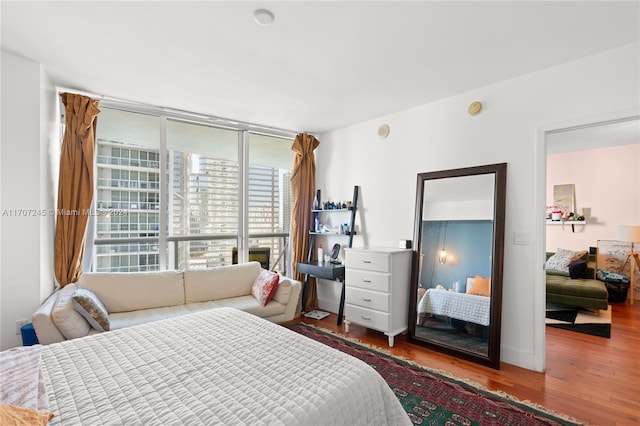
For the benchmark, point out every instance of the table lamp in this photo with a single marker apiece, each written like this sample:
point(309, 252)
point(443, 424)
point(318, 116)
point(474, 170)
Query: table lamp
point(631, 234)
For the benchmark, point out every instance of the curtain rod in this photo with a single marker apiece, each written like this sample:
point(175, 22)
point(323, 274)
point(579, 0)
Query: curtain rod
point(117, 103)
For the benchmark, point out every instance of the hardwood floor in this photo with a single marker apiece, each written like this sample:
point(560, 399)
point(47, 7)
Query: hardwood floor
point(594, 379)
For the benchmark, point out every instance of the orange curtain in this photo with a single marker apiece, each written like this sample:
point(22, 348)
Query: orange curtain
point(303, 184)
point(75, 185)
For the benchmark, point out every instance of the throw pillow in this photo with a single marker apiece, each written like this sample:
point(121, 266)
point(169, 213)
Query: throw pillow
point(70, 323)
point(481, 286)
point(577, 268)
point(91, 308)
point(15, 415)
point(562, 258)
point(265, 286)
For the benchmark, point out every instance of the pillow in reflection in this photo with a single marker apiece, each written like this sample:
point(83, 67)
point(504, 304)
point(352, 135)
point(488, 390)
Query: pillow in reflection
point(481, 286)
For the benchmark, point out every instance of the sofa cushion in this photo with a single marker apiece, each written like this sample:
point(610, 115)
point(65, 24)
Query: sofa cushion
point(90, 307)
point(70, 323)
point(581, 288)
point(244, 303)
point(283, 293)
point(127, 319)
point(265, 286)
point(202, 285)
point(562, 258)
point(132, 291)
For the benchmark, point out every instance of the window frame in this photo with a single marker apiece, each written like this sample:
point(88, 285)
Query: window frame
point(244, 130)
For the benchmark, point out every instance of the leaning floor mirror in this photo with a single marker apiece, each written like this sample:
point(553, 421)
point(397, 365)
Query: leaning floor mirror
point(456, 289)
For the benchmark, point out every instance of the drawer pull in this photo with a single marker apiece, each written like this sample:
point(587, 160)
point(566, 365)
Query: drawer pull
point(366, 299)
point(366, 261)
point(366, 281)
point(365, 318)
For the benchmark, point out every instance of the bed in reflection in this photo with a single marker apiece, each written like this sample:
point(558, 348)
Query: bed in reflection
point(455, 318)
point(460, 306)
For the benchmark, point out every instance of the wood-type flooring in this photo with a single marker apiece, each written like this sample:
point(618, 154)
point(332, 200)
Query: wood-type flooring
point(593, 379)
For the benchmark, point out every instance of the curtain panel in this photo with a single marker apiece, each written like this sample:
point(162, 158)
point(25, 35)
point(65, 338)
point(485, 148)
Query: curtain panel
point(303, 183)
point(75, 185)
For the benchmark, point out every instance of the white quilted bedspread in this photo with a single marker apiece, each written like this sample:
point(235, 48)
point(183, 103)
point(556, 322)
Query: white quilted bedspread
point(462, 306)
point(221, 366)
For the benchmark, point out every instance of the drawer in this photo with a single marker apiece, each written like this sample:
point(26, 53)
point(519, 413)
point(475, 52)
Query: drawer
point(367, 299)
point(368, 280)
point(369, 261)
point(367, 317)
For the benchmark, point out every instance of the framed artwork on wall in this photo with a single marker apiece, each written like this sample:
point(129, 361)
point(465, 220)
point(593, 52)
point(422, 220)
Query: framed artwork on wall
point(564, 197)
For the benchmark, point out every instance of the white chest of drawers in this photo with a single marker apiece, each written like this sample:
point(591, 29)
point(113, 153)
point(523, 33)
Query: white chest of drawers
point(377, 289)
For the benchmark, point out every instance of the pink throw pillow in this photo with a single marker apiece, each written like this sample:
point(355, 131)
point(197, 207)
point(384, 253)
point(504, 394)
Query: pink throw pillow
point(265, 286)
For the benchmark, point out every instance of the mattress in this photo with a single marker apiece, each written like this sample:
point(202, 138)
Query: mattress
point(462, 306)
point(221, 366)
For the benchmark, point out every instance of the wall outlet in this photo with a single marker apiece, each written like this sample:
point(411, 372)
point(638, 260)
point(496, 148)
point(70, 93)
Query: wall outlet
point(19, 324)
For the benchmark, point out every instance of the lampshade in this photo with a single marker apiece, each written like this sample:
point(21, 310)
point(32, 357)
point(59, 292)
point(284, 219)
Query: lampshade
point(629, 233)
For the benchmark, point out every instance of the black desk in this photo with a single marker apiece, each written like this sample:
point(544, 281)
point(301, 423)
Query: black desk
point(328, 271)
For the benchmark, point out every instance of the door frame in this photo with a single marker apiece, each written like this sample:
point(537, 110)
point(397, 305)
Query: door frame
point(540, 206)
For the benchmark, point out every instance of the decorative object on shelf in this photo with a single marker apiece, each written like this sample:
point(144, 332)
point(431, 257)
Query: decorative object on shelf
point(335, 251)
point(555, 215)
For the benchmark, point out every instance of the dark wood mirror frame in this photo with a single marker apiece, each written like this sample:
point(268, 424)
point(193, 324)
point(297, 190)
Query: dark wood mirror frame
point(500, 172)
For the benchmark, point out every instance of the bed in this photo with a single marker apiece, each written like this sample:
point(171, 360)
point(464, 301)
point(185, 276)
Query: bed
point(461, 306)
point(220, 366)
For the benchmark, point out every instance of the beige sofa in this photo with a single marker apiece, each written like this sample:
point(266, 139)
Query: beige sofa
point(136, 298)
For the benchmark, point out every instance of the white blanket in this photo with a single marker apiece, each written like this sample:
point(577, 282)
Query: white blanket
point(221, 366)
point(21, 379)
point(462, 306)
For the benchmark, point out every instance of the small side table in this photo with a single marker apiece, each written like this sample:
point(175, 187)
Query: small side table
point(328, 271)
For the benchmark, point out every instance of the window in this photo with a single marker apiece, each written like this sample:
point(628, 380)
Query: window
point(192, 209)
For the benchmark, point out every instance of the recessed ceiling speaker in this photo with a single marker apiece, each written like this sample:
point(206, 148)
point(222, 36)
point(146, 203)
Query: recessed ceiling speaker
point(264, 16)
point(383, 131)
point(475, 108)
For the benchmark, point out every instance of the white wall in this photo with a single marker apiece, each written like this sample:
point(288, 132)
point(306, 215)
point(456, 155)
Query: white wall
point(607, 184)
point(442, 135)
point(26, 256)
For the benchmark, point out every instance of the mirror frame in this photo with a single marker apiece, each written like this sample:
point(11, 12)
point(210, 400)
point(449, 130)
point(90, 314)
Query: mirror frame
point(500, 173)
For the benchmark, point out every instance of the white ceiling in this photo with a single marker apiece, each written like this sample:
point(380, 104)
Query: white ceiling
point(322, 65)
point(594, 137)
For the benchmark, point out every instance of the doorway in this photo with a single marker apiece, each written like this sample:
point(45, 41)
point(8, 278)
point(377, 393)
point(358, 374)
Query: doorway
point(593, 143)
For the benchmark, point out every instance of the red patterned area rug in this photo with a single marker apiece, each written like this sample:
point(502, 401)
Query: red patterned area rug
point(432, 398)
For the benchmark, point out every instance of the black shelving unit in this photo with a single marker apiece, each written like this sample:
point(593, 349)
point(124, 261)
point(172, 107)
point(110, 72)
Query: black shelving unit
point(320, 268)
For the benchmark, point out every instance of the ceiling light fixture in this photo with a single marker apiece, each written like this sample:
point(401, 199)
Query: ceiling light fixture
point(264, 16)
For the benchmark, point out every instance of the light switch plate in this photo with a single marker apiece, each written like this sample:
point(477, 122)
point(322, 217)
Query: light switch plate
point(521, 238)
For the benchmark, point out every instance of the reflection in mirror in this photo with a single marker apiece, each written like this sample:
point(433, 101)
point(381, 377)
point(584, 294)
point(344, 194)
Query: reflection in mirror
point(456, 293)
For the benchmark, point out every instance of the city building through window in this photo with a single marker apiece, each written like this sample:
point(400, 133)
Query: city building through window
point(178, 194)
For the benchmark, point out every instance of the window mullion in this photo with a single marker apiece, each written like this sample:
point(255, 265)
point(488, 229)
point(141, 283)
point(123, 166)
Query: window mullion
point(164, 195)
point(243, 196)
